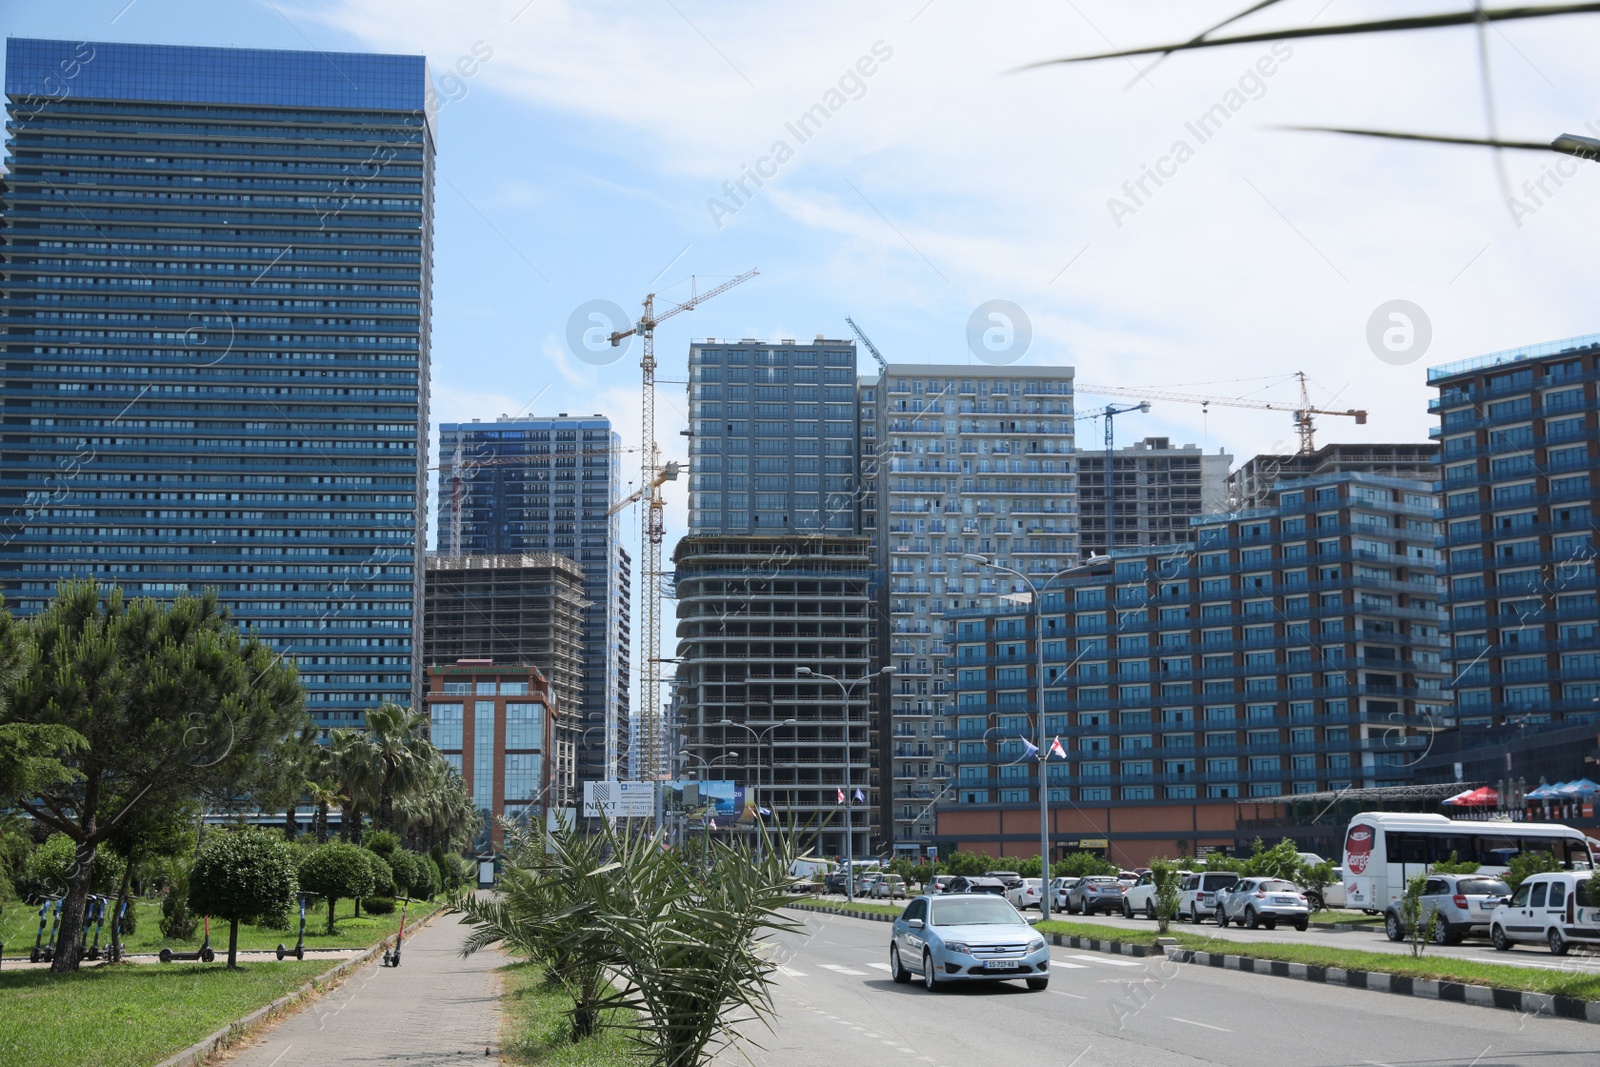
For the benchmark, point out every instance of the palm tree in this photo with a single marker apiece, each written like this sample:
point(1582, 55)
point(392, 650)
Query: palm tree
point(350, 759)
point(399, 755)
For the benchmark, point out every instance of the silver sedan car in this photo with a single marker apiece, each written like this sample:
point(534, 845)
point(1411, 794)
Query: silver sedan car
point(966, 937)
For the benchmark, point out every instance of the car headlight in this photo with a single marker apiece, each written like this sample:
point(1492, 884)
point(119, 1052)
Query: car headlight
point(958, 946)
point(1036, 944)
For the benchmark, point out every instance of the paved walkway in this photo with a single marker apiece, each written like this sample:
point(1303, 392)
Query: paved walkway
point(435, 1008)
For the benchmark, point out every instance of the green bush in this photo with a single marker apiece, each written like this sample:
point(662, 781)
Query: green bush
point(1280, 861)
point(378, 905)
point(1526, 864)
point(1165, 874)
point(50, 867)
point(1081, 865)
point(337, 870)
point(382, 876)
point(1314, 879)
point(1454, 865)
point(382, 842)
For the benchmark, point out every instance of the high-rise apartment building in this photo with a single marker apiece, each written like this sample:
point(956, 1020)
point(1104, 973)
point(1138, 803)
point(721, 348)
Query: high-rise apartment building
point(547, 485)
point(215, 288)
point(1159, 487)
point(966, 460)
point(776, 576)
point(1520, 443)
point(1251, 485)
point(1289, 649)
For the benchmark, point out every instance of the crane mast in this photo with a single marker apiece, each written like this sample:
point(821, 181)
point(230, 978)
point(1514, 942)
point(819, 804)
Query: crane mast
point(652, 531)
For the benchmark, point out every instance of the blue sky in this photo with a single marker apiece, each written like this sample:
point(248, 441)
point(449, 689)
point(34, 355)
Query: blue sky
point(581, 147)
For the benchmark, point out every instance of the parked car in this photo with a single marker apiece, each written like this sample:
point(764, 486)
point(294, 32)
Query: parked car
point(965, 938)
point(940, 883)
point(976, 884)
point(1464, 903)
point(1140, 898)
point(836, 880)
point(889, 886)
point(1010, 878)
point(1026, 893)
point(1197, 896)
point(1265, 902)
point(1096, 893)
point(1553, 908)
point(1127, 879)
point(1332, 895)
point(1058, 892)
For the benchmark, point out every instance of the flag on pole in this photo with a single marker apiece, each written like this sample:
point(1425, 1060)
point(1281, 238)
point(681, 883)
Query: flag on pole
point(765, 812)
point(1029, 749)
point(1056, 749)
point(841, 796)
point(859, 798)
point(713, 824)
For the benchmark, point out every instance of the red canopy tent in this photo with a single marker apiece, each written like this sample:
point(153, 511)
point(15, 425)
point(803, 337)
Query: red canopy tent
point(1483, 797)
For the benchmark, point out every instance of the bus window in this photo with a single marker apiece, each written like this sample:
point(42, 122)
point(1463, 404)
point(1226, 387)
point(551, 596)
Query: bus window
point(1413, 848)
point(1391, 846)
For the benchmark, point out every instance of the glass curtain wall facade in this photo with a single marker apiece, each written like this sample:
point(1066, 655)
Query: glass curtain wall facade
point(215, 296)
point(1520, 445)
point(546, 485)
point(967, 459)
point(1290, 649)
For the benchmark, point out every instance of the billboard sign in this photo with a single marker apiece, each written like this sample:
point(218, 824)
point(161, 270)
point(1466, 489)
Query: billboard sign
point(619, 800)
point(719, 801)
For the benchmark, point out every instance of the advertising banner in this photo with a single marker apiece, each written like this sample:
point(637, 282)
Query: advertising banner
point(721, 802)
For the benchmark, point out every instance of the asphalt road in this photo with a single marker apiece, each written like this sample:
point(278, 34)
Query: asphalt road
point(1367, 940)
point(837, 1004)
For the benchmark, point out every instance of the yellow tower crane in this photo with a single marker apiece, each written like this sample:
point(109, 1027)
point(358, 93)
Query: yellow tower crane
point(1304, 425)
point(653, 529)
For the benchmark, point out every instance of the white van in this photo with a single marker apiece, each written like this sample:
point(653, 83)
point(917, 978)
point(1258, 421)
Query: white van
point(1554, 908)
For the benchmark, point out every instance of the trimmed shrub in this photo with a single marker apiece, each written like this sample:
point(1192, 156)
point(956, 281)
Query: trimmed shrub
point(244, 877)
point(378, 905)
point(337, 870)
point(382, 842)
point(382, 876)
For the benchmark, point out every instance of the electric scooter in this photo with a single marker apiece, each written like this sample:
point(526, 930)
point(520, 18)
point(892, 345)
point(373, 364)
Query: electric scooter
point(114, 946)
point(299, 950)
point(43, 951)
point(94, 913)
point(391, 957)
point(203, 953)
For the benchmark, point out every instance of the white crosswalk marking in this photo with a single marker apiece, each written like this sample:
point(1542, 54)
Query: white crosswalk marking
point(837, 969)
point(879, 966)
point(790, 972)
point(1065, 966)
point(1108, 961)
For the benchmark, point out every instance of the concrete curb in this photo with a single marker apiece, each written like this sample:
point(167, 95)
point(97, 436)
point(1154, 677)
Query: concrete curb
point(1116, 948)
point(201, 1051)
point(1403, 985)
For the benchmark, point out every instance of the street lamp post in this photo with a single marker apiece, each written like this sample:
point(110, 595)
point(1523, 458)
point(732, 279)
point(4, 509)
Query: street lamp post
point(756, 799)
point(849, 798)
point(1043, 755)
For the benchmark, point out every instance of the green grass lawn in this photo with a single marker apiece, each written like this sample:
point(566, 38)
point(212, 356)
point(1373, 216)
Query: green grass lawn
point(534, 1028)
point(1585, 986)
point(19, 925)
point(134, 1015)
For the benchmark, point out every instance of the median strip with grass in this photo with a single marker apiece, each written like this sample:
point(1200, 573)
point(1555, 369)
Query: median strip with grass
point(1580, 985)
point(536, 1025)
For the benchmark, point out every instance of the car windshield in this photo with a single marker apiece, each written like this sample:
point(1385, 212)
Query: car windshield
point(1488, 887)
point(975, 911)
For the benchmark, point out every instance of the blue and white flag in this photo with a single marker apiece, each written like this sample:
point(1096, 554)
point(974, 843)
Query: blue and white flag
point(859, 798)
point(1029, 749)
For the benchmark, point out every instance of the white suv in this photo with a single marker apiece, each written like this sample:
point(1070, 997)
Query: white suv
point(1554, 908)
point(1197, 896)
point(1140, 899)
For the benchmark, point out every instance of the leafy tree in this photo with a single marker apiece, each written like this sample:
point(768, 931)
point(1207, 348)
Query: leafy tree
point(147, 833)
point(1418, 919)
point(1280, 861)
point(1167, 877)
point(1081, 865)
point(1455, 865)
point(52, 865)
point(1314, 879)
point(336, 870)
point(171, 702)
point(1525, 865)
point(244, 876)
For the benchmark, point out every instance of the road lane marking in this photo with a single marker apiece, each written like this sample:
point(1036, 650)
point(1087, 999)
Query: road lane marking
point(837, 969)
point(879, 966)
point(791, 973)
point(1108, 961)
point(1074, 996)
point(1191, 1022)
point(1064, 965)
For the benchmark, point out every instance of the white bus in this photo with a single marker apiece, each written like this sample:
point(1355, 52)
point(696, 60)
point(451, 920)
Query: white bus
point(1382, 849)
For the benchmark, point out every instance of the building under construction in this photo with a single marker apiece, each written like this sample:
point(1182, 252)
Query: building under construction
point(1159, 488)
point(1251, 485)
point(523, 608)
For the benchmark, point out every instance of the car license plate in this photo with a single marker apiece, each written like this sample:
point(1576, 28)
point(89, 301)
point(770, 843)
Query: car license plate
point(999, 965)
point(1284, 900)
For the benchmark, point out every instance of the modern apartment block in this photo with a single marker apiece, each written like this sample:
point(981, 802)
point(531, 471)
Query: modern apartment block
point(1251, 485)
point(1519, 437)
point(1159, 487)
point(546, 485)
point(499, 726)
point(215, 285)
point(1290, 649)
point(774, 576)
point(751, 610)
point(520, 608)
point(966, 460)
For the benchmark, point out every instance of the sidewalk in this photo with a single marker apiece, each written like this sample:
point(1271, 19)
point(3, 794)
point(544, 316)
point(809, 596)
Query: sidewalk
point(435, 1008)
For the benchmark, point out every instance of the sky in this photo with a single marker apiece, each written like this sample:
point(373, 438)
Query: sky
point(598, 152)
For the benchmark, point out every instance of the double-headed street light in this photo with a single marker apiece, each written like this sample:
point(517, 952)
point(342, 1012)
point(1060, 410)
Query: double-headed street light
point(771, 755)
point(1043, 753)
point(849, 798)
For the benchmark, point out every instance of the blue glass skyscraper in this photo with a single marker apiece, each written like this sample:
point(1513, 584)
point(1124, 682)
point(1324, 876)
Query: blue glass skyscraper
point(216, 273)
